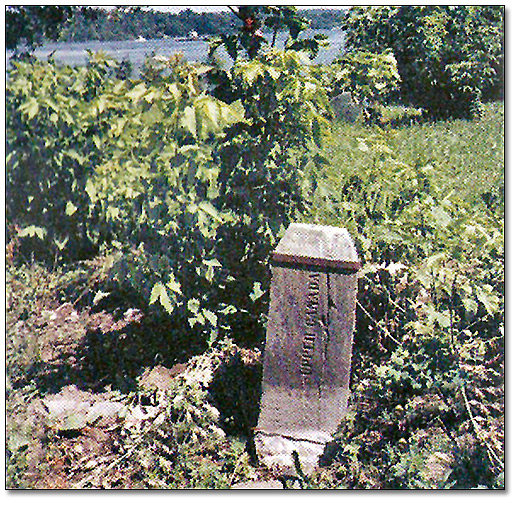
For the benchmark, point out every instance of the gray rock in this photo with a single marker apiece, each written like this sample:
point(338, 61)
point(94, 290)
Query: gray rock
point(73, 409)
point(346, 108)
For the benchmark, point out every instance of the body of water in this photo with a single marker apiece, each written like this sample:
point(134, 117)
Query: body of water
point(136, 51)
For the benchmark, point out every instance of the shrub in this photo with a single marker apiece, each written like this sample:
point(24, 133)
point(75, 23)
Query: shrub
point(190, 190)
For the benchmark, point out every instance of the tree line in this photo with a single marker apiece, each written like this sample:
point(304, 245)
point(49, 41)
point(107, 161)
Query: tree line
point(69, 24)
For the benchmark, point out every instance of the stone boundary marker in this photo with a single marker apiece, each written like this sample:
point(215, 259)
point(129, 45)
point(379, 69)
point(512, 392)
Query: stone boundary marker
point(307, 357)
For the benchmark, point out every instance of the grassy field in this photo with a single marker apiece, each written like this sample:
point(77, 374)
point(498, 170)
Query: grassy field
point(178, 416)
point(467, 157)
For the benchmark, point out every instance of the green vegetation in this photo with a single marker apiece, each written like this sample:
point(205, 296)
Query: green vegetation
point(190, 191)
point(32, 25)
point(36, 24)
point(140, 216)
point(449, 57)
point(251, 40)
point(425, 205)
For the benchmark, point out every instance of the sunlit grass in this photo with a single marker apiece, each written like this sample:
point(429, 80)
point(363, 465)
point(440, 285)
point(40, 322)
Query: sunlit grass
point(466, 156)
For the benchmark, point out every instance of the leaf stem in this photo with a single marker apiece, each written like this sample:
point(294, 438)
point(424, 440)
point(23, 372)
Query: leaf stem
point(477, 430)
point(378, 324)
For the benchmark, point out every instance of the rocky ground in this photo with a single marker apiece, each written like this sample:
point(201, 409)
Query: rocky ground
point(96, 400)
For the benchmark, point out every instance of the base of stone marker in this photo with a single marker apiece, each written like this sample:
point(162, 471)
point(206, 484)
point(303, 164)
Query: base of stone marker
point(276, 452)
point(259, 484)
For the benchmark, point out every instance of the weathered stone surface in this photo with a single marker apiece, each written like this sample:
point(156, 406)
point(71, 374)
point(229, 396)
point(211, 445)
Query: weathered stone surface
point(259, 484)
point(309, 344)
point(314, 245)
point(73, 409)
point(345, 107)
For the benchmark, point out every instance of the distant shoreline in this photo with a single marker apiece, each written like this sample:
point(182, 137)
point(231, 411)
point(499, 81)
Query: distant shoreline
point(136, 50)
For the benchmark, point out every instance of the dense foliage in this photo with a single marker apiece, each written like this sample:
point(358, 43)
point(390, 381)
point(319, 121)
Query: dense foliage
point(370, 78)
point(251, 39)
point(449, 57)
point(153, 169)
point(427, 409)
point(141, 213)
point(33, 24)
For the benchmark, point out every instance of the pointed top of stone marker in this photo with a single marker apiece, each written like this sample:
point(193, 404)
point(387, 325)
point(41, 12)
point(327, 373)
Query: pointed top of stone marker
point(316, 245)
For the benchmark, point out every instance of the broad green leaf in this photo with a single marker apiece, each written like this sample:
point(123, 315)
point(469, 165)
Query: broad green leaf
point(174, 90)
point(156, 292)
point(31, 108)
point(273, 72)
point(33, 231)
point(174, 285)
point(118, 126)
point(212, 262)
point(113, 212)
point(203, 69)
point(136, 93)
point(210, 316)
point(101, 104)
point(421, 328)
point(210, 110)
point(210, 210)
point(75, 155)
point(99, 296)
point(90, 190)
point(488, 298)
point(70, 209)
point(159, 294)
point(442, 318)
point(193, 305)
point(470, 305)
point(189, 120)
point(251, 71)
point(257, 292)
point(166, 302)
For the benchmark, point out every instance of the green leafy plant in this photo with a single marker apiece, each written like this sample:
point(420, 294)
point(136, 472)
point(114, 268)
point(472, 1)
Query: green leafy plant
point(370, 77)
point(251, 40)
point(427, 405)
point(32, 24)
point(191, 190)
